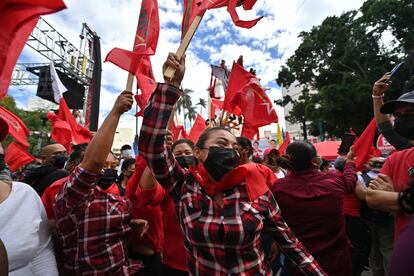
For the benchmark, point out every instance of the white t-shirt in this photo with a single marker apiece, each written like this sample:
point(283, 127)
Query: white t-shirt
point(24, 230)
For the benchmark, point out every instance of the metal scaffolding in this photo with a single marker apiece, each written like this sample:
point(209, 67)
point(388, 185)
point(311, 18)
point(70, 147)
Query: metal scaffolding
point(47, 41)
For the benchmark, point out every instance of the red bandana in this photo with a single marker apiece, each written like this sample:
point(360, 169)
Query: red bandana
point(249, 173)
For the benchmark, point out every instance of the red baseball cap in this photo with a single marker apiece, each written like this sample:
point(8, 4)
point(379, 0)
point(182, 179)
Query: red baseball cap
point(4, 129)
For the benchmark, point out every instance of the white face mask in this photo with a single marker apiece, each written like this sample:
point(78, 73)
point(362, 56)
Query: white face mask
point(127, 153)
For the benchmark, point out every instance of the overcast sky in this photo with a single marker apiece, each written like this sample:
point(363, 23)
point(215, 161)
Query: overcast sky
point(264, 47)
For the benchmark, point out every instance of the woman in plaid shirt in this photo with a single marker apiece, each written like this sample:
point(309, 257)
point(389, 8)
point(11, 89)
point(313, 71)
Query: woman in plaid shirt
point(222, 207)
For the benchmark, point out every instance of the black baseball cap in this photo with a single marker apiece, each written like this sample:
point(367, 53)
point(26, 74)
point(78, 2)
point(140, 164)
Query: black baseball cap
point(389, 107)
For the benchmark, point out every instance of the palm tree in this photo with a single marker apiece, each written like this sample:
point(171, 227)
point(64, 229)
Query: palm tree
point(191, 113)
point(185, 103)
point(202, 103)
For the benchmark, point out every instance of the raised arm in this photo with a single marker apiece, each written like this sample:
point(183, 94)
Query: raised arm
point(383, 122)
point(83, 179)
point(154, 129)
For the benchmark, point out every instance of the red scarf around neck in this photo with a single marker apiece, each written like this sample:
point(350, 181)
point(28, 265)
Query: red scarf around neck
point(248, 173)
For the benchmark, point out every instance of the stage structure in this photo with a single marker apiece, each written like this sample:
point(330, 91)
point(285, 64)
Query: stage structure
point(78, 68)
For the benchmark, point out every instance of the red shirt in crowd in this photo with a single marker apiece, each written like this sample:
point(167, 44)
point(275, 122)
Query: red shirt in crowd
point(311, 204)
point(174, 251)
point(397, 167)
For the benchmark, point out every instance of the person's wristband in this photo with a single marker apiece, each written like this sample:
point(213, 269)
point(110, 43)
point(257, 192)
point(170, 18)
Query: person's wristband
point(377, 97)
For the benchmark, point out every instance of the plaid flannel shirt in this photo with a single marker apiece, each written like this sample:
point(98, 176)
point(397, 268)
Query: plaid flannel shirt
point(219, 241)
point(92, 225)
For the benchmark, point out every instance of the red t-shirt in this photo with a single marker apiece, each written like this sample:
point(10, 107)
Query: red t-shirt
point(352, 205)
point(268, 174)
point(311, 204)
point(174, 252)
point(396, 166)
point(48, 197)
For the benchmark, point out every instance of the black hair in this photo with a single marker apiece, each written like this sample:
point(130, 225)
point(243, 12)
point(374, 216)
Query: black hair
point(127, 163)
point(256, 142)
point(126, 147)
point(325, 164)
point(182, 141)
point(244, 142)
point(406, 199)
point(273, 140)
point(298, 156)
point(76, 157)
point(257, 159)
point(201, 143)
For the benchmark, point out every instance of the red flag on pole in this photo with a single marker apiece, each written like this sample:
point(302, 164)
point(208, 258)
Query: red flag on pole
point(65, 129)
point(198, 128)
point(17, 156)
point(244, 91)
point(145, 43)
point(286, 142)
point(147, 86)
point(363, 146)
point(18, 18)
point(17, 128)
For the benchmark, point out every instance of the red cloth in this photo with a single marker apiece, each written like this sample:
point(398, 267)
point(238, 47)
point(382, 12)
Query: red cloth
point(286, 142)
point(396, 166)
point(352, 205)
point(328, 149)
point(48, 197)
point(256, 184)
point(137, 61)
point(154, 236)
point(198, 128)
point(215, 105)
point(311, 203)
point(18, 18)
point(248, 131)
point(363, 146)
point(244, 91)
point(17, 128)
point(268, 174)
point(178, 132)
point(17, 156)
point(147, 85)
point(174, 251)
point(65, 129)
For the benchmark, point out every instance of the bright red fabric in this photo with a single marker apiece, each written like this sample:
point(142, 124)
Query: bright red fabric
point(244, 91)
point(17, 128)
point(65, 129)
point(286, 142)
point(17, 156)
point(363, 146)
point(396, 166)
point(18, 18)
point(198, 128)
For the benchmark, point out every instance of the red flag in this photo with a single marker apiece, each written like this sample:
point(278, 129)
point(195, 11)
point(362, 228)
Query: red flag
point(145, 43)
point(65, 129)
point(198, 128)
point(231, 8)
point(363, 146)
point(178, 132)
point(285, 144)
point(215, 105)
point(18, 18)
point(17, 128)
point(244, 91)
point(147, 86)
point(17, 156)
point(249, 131)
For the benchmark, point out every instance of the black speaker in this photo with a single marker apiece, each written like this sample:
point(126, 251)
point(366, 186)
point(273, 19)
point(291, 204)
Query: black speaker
point(74, 96)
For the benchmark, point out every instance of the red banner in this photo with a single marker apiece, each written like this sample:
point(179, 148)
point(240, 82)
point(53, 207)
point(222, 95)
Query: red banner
point(17, 128)
point(17, 156)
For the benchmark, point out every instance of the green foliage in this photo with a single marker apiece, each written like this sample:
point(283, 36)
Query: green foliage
point(35, 121)
point(343, 57)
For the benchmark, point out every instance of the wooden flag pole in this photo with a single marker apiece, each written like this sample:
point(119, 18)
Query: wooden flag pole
point(169, 72)
point(130, 82)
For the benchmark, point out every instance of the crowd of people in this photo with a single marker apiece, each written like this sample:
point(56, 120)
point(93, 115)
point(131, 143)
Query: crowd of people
point(216, 206)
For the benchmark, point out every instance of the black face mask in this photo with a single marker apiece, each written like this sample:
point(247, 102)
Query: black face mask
point(59, 161)
point(220, 161)
point(185, 161)
point(404, 126)
point(108, 178)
